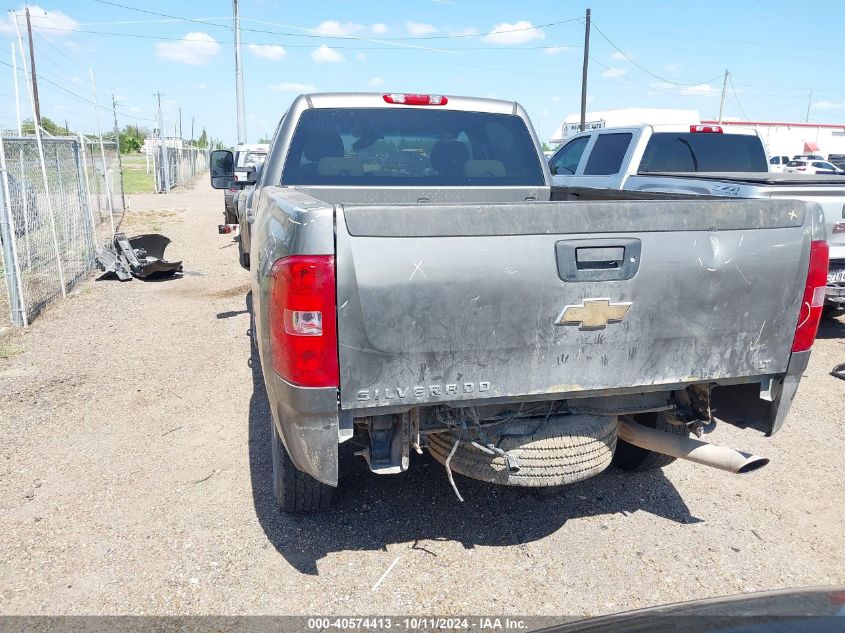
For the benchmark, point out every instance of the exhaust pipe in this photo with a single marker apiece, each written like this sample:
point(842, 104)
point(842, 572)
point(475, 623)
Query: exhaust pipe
point(693, 450)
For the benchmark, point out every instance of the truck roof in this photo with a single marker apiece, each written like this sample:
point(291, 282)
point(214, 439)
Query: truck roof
point(672, 127)
point(377, 100)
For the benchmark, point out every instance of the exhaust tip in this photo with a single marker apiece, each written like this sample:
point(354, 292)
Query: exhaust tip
point(753, 463)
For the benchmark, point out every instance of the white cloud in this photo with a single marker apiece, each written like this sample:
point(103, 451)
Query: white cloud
point(555, 99)
point(195, 48)
point(618, 56)
point(673, 67)
point(555, 50)
point(326, 55)
point(829, 105)
point(379, 28)
point(287, 86)
point(332, 28)
point(420, 29)
point(516, 33)
point(463, 32)
point(135, 109)
point(361, 57)
point(590, 98)
point(76, 80)
point(50, 22)
point(699, 90)
point(202, 87)
point(704, 90)
point(613, 72)
point(267, 51)
point(376, 81)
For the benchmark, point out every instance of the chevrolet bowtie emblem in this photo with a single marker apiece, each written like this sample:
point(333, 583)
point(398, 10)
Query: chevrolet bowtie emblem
point(593, 314)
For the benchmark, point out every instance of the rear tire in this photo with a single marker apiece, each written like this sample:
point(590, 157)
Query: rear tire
point(634, 458)
point(243, 257)
point(296, 491)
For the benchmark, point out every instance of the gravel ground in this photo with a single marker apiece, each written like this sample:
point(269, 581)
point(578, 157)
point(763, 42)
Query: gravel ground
point(135, 478)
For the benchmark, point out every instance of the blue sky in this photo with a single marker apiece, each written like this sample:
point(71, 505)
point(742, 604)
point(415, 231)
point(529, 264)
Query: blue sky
point(651, 54)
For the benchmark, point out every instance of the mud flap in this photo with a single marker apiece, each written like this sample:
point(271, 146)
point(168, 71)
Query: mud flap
point(141, 256)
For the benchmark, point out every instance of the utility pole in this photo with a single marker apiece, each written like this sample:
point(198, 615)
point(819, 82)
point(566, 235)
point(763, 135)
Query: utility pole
point(239, 75)
point(119, 159)
point(722, 101)
point(584, 71)
point(32, 66)
point(192, 131)
point(809, 103)
point(180, 122)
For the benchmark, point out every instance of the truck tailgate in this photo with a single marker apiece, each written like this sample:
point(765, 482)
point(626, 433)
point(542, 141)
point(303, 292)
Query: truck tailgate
point(440, 302)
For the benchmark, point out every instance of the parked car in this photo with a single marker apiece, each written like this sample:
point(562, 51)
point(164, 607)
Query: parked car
point(689, 161)
point(777, 163)
point(812, 167)
point(450, 303)
point(837, 159)
point(808, 157)
point(245, 158)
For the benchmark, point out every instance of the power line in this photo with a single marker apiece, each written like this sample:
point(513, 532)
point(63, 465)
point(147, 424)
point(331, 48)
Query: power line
point(736, 98)
point(640, 66)
point(340, 37)
point(78, 96)
point(335, 46)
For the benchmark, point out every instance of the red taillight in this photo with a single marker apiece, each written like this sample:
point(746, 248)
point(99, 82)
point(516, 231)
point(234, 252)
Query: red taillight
point(706, 129)
point(302, 320)
point(406, 99)
point(802, 169)
point(811, 304)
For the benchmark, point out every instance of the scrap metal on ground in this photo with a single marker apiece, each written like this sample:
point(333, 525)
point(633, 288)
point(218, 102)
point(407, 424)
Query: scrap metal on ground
point(141, 256)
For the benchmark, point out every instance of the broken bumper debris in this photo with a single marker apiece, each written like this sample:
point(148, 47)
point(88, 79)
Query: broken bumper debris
point(141, 256)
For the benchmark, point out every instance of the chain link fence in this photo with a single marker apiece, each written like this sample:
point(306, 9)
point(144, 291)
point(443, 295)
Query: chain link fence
point(52, 217)
point(178, 166)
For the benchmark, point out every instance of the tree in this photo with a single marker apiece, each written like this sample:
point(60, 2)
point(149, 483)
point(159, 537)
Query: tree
point(263, 140)
point(202, 141)
point(47, 124)
point(131, 139)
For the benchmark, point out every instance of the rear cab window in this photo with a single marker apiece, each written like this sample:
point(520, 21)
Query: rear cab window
point(607, 154)
point(411, 147)
point(703, 152)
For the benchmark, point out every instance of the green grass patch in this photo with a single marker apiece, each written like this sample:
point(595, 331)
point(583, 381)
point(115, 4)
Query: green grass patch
point(135, 176)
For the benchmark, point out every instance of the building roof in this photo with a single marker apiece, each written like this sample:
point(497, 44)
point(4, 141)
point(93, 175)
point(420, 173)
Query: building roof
point(833, 126)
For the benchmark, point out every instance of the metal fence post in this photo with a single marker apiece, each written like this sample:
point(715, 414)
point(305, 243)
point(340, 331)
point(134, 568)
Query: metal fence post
point(84, 194)
point(10, 252)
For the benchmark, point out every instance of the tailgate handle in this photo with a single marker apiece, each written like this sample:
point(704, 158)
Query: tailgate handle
point(601, 259)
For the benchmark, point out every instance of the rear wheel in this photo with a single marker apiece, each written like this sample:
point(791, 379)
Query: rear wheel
point(296, 491)
point(630, 457)
point(243, 257)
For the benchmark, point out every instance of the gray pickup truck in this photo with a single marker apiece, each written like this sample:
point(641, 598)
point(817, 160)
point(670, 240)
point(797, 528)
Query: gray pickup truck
point(416, 286)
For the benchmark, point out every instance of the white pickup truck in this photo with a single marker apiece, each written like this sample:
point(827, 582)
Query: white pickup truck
point(695, 160)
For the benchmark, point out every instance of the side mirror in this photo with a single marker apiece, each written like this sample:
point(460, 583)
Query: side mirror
point(222, 169)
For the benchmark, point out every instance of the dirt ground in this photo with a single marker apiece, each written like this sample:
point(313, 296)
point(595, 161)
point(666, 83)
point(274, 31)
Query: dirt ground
point(135, 478)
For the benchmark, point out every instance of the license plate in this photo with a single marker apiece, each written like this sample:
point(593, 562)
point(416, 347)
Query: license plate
point(836, 276)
